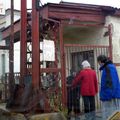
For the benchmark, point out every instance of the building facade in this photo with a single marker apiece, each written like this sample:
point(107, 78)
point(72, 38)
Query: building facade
point(5, 21)
point(82, 32)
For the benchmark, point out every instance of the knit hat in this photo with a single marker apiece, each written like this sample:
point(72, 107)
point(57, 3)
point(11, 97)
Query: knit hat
point(85, 64)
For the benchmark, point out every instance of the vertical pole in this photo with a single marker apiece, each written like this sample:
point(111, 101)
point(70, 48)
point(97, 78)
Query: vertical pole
point(110, 41)
point(55, 41)
point(11, 52)
point(23, 41)
point(6, 86)
point(35, 46)
point(62, 65)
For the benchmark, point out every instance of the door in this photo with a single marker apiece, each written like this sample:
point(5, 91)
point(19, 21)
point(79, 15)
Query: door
point(79, 57)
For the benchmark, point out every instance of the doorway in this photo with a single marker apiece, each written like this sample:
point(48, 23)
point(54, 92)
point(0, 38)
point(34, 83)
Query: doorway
point(78, 57)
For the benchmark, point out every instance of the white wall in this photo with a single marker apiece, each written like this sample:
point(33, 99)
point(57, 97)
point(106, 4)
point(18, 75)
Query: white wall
point(17, 57)
point(8, 17)
point(6, 53)
point(90, 35)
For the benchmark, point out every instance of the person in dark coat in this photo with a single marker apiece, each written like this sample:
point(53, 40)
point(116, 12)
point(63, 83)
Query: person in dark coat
point(73, 95)
point(110, 86)
point(88, 86)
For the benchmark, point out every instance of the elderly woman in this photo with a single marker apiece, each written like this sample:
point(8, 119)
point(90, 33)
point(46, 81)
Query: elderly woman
point(88, 86)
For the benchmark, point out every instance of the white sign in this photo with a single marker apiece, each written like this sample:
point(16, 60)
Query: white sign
point(48, 48)
point(2, 7)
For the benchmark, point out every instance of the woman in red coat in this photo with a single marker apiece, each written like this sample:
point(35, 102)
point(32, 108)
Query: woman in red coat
point(88, 86)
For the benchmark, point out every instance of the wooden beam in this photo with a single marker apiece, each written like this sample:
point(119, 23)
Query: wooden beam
point(47, 70)
point(6, 32)
point(4, 47)
point(79, 17)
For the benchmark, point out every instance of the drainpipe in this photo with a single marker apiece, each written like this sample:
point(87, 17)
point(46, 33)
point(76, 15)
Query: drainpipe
point(110, 41)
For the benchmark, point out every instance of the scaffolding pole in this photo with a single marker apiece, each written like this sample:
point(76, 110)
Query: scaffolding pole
point(11, 52)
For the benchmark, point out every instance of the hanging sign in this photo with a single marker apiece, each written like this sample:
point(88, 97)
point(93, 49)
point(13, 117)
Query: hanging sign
point(48, 48)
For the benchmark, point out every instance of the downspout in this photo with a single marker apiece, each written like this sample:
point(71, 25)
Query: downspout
point(110, 41)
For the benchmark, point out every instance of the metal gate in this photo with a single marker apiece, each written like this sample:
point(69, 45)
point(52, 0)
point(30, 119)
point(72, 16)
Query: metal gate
point(76, 53)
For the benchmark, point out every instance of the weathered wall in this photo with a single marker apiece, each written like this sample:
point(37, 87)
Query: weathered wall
point(85, 35)
point(95, 36)
point(115, 22)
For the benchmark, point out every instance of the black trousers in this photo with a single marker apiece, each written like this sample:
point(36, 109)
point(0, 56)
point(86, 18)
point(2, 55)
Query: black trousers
point(73, 100)
point(89, 103)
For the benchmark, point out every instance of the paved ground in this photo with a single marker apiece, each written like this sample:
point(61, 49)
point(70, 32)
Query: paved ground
point(82, 117)
point(98, 116)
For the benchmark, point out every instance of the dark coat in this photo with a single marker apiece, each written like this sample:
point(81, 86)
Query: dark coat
point(72, 94)
point(110, 85)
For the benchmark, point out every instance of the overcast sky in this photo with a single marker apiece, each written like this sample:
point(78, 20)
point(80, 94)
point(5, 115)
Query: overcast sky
point(114, 3)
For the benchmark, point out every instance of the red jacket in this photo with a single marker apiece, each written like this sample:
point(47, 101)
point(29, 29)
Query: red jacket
point(88, 82)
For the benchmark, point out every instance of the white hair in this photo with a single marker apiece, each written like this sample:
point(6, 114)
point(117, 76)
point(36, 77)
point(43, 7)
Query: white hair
point(85, 64)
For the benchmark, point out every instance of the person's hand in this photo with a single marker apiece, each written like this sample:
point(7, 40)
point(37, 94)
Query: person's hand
point(68, 85)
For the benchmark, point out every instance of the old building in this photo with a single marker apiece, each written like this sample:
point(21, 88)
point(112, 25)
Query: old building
point(5, 21)
point(79, 31)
